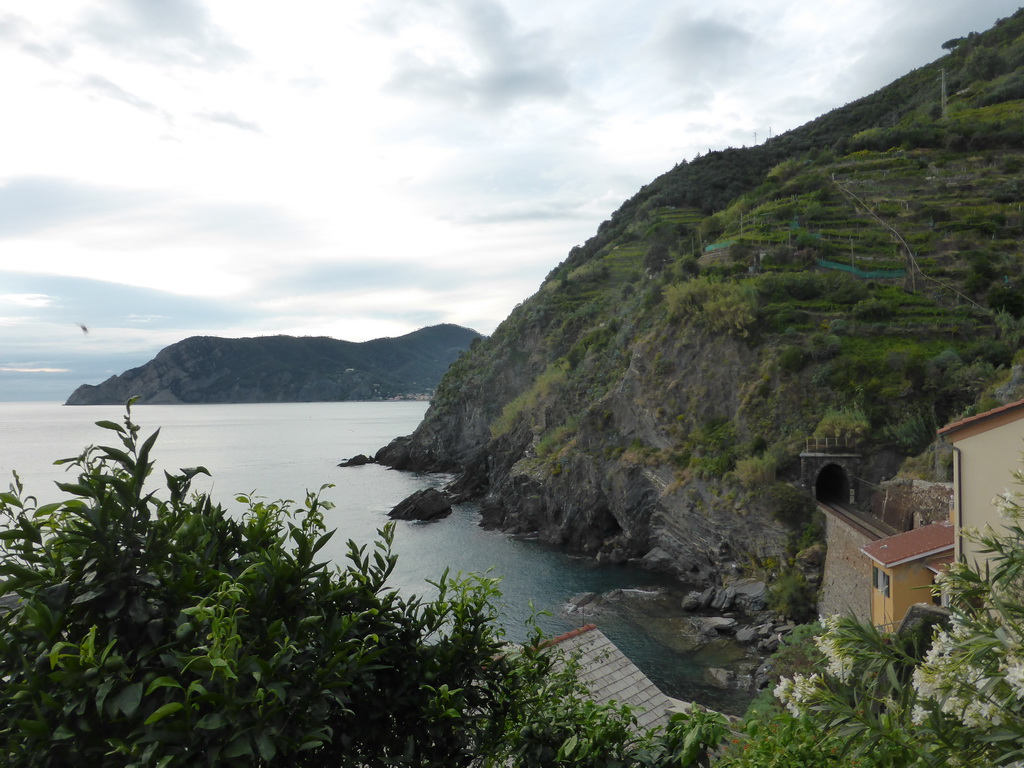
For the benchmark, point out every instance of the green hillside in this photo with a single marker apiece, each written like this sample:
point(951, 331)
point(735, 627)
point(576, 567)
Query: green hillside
point(858, 277)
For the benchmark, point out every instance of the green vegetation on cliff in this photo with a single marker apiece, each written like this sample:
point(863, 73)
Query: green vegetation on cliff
point(651, 396)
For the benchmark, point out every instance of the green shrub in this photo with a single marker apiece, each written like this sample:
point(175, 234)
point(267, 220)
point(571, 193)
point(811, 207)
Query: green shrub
point(872, 309)
point(792, 596)
point(789, 505)
point(721, 307)
point(556, 438)
point(756, 471)
point(792, 359)
point(913, 433)
point(851, 423)
point(157, 631)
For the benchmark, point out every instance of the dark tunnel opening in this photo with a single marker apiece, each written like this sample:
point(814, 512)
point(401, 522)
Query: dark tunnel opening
point(832, 485)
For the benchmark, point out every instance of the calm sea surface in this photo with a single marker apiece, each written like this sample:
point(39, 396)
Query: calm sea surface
point(278, 451)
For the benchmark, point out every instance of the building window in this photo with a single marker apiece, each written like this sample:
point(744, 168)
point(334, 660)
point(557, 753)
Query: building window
point(881, 581)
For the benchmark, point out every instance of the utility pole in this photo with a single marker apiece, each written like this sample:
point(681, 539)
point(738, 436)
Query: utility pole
point(944, 98)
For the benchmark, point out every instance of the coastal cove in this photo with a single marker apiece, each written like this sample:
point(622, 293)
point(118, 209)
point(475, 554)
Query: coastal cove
point(280, 450)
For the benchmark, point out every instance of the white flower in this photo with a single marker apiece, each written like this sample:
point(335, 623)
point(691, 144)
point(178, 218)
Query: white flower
point(919, 715)
point(805, 688)
point(840, 662)
point(783, 689)
point(981, 714)
point(1014, 671)
point(1007, 505)
point(797, 691)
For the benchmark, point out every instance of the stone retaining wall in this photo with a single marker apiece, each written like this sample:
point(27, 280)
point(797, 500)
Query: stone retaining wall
point(846, 583)
point(906, 504)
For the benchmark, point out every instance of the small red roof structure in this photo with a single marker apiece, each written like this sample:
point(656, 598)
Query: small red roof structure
point(940, 564)
point(913, 545)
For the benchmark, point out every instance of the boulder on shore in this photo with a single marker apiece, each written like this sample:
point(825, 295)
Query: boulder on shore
point(428, 504)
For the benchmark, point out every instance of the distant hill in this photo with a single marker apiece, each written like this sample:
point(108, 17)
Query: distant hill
point(281, 369)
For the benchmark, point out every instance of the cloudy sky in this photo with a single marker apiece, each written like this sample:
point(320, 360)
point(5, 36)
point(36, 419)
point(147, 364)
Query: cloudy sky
point(362, 168)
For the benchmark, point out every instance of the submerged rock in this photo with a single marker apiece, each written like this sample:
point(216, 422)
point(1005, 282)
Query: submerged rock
point(719, 624)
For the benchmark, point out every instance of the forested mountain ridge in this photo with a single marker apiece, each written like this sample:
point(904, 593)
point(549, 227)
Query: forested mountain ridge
point(279, 369)
point(859, 276)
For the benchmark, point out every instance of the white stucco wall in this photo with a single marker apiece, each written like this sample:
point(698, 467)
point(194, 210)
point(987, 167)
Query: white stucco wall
point(984, 469)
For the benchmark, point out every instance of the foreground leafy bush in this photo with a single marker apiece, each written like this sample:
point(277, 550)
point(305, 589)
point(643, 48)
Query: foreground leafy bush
point(167, 632)
point(140, 631)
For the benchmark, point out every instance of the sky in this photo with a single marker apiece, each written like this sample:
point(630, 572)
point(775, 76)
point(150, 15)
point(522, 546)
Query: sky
point(364, 168)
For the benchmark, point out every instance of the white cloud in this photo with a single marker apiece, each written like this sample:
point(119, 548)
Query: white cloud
point(11, 369)
point(358, 168)
point(26, 299)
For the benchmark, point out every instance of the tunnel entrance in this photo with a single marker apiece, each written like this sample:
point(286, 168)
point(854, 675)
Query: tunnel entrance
point(832, 485)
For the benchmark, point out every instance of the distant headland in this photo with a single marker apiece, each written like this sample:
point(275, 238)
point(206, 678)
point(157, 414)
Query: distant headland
point(281, 369)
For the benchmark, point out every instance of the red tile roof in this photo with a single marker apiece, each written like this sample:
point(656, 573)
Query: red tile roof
point(912, 545)
point(941, 563)
point(568, 635)
point(980, 417)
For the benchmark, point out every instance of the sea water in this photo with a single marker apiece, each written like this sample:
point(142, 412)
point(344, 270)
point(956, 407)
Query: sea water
point(281, 451)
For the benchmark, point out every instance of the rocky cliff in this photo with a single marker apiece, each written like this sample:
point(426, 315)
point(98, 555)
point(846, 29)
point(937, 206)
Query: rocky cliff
point(276, 369)
point(858, 278)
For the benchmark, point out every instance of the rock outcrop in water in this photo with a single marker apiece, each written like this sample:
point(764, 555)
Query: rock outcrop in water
point(424, 505)
point(283, 369)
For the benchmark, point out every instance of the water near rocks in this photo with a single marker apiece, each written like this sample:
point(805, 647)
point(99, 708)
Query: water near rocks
point(281, 450)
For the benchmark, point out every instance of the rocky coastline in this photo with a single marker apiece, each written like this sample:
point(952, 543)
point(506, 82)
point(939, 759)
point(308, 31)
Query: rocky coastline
point(728, 631)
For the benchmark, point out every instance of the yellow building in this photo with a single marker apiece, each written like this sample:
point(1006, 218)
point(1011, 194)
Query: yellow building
point(986, 452)
point(904, 568)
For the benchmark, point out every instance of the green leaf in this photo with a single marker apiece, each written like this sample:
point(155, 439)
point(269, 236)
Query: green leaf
point(120, 456)
point(569, 746)
point(92, 594)
point(163, 682)
point(240, 746)
point(266, 746)
point(111, 425)
point(47, 509)
point(211, 721)
point(164, 711)
point(76, 489)
point(127, 699)
point(34, 727)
